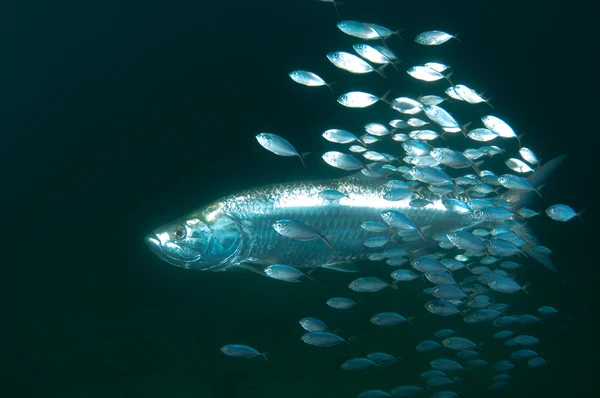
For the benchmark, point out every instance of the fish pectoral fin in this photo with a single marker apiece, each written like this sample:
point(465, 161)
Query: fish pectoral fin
point(342, 267)
point(255, 265)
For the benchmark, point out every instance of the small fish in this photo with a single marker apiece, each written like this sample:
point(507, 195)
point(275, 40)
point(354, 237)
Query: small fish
point(374, 156)
point(388, 319)
point(342, 161)
point(357, 99)
point(434, 38)
point(467, 241)
point(368, 284)
point(407, 106)
point(339, 136)
point(406, 391)
point(498, 386)
point(331, 195)
point(446, 365)
point(358, 364)
point(377, 241)
point(428, 374)
point(528, 155)
point(374, 394)
point(468, 94)
point(404, 275)
point(313, 325)
point(299, 231)
point(527, 213)
point(382, 358)
point(358, 29)
point(547, 310)
point(307, 78)
point(430, 99)
point(515, 182)
point(377, 257)
point(278, 145)
point(528, 319)
point(341, 303)
point(504, 334)
point(498, 126)
point(476, 364)
point(284, 273)
point(467, 354)
point(503, 366)
point(376, 129)
point(419, 202)
point(526, 340)
point(415, 122)
point(425, 74)
point(442, 117)
point(351, 63)
point(444, 333)
point(372, 54)
point(502, 377)
point(398, 220)
point(503, 321)
point(458, 343)
point(439, 382)
point(424, 135)
point(481, 135)
point(562, 213)
point(439, 67)
point(445, 394)
point(357, 149)
point(518, 165)
point(448, 292)
point(451, 158)
point(323, 339)
point(483, 315)
point(398, 194)
point(442, 308)
point(537, 362)
point(242, 351)
point(374, 226)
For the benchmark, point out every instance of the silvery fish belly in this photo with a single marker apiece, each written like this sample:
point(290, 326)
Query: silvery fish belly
point(239, 228)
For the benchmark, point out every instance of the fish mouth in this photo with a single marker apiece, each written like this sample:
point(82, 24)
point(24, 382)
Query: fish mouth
point(155, 246)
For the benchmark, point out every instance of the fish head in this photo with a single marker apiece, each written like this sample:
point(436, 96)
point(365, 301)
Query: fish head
point(195, 243)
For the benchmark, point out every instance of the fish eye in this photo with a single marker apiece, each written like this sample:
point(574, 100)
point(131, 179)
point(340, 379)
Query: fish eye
point(179, 232)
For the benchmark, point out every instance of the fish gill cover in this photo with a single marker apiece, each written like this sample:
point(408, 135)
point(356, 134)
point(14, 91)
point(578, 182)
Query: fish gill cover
point(438, 189)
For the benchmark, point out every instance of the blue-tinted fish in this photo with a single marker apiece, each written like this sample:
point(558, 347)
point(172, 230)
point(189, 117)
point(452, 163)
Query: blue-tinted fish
point(242, 351)
point(278, 145)
point(341, 303)
point(323, 339)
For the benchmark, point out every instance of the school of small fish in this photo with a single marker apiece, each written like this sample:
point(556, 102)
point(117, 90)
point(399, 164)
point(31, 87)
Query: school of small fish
point(470, 263)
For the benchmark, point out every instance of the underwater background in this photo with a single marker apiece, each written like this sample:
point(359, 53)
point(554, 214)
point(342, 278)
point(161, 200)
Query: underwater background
point(120, 116)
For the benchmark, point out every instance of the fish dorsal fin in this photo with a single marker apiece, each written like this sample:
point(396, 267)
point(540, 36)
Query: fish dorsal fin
point(519, 199)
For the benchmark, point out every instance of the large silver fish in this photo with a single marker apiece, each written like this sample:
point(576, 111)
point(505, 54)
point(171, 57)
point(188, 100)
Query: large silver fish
point(237, 229)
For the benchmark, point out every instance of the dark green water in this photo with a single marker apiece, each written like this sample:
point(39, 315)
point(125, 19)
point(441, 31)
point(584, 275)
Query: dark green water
point(119, 117)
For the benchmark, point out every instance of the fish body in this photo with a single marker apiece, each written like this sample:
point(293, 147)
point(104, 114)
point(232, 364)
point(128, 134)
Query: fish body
point(238, 228)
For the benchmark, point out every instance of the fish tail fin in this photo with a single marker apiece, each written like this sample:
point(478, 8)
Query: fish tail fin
point(265, 357)
point(520, 199)
point(397, 33)
point(580, 215)
point(380, 71)
point(455, 37)
point(337, 5)
point(411, 320)
point(525, 287)
point(385, 99)
point(327, 242)
point(301, 156)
